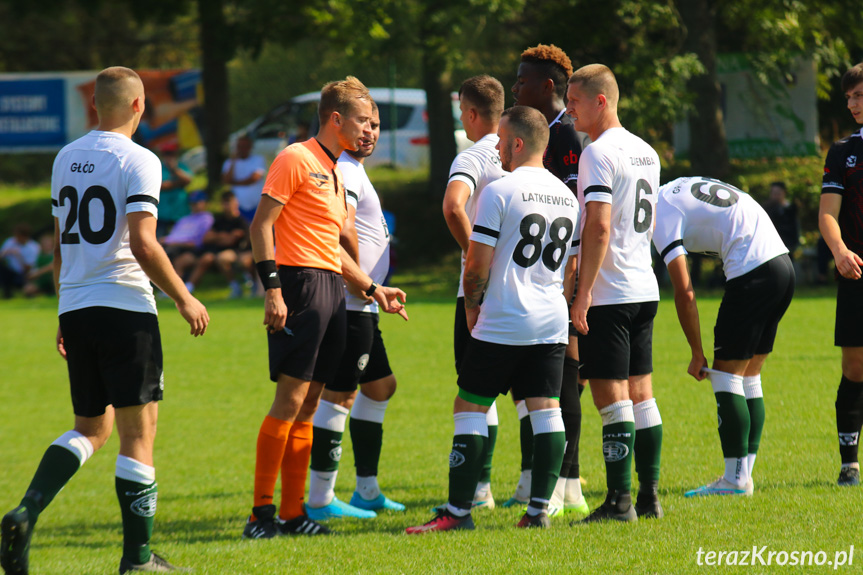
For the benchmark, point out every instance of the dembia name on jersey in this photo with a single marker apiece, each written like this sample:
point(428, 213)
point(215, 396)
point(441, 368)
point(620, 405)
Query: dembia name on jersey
point(85, 168)
point(548, 199)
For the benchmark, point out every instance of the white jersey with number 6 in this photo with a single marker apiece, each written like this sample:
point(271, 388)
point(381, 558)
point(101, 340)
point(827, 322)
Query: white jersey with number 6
point(96, 181)
point(531, 219)
point(707, 216)
point(621, 169)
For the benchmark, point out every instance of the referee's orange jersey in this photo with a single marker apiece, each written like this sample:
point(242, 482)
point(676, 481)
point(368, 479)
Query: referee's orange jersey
point(305, 178)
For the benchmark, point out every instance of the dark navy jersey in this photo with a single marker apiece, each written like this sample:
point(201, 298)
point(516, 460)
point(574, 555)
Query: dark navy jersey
point(843, 175)
point(564, 149)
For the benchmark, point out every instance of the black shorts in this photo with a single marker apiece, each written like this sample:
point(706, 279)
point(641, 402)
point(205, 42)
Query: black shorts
point(620, 341)
point(491, 369)
point(314, 334)
point(751, 309)
point(365, 358)
point(849, 313)
point(114, 358)
point(461, 334)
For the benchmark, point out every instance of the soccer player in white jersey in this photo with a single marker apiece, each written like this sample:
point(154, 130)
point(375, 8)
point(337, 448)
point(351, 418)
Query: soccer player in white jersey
point(617, 296)
point(481, 101)
point(367, 240)
point(522, 246)
point(105, 193)
point(541, 83)
point(702, 215)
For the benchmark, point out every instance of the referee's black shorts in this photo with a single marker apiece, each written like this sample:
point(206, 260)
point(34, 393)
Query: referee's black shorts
point(310, 346)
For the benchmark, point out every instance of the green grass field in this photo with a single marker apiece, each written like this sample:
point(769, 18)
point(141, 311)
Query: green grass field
point(217, 393)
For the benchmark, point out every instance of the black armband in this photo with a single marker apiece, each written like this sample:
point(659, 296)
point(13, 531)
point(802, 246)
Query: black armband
point(269, 274)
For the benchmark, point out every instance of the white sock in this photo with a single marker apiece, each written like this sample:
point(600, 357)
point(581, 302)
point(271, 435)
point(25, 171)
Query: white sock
point(482, 489)
point(322, 485)
point(854, 465)
point(572, 492)
point(521, 409)
point(491, 415)
point(752, 389)
point(368, 487)
point(737, 471)
point(558, 494)
point(77, 444)
point(368, 409)
point(133, 470)
point(522, 491)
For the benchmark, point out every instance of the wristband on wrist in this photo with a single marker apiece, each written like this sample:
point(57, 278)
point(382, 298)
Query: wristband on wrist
point(269, 274)
point(369, 292)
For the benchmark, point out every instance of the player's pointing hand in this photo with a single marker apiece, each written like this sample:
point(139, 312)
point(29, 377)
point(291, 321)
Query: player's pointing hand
point(391, 300)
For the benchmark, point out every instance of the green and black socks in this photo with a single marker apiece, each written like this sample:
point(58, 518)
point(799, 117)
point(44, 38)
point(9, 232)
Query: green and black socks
point(469, 444)
point(367, 434)
point(734, 425)
point(618, 443)
point(63, 458)
point(648, 441)
point(328, 429)
point(755, 403)
point(549, 440)
point(137, 492)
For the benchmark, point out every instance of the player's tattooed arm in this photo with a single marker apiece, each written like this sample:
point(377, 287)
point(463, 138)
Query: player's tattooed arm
point(476, 275)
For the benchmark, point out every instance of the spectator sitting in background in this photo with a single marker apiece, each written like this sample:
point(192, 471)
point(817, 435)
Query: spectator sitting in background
point(173, 201)
point(186, 239)
point(227, 244)
point(17, 256)
point(40, 279)
point(783, 214)
point(244, 172)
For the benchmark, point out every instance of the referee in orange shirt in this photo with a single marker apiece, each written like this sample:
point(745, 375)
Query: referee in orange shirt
point(304, 275)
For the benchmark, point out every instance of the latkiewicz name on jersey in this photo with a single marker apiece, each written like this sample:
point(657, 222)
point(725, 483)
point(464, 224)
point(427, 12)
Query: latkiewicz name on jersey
point(548, 199)
point(85, 168)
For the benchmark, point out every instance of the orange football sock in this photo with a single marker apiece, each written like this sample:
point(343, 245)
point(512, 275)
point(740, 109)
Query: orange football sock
point(295, 466)
point(271, 450)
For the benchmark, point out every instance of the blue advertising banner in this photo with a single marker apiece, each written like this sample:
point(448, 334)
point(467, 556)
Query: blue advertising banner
point(32, 113)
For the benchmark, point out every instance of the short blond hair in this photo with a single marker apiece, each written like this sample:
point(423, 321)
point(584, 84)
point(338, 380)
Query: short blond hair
point(341, 96)
point(596, 79)
point(116, 88)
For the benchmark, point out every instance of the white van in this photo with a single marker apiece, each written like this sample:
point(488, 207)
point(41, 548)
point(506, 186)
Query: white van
point(405, 146)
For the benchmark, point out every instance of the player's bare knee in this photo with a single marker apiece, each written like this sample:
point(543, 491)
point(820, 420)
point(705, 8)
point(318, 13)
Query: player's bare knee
point(343, 398)
point(380, 389)
point(852, 363)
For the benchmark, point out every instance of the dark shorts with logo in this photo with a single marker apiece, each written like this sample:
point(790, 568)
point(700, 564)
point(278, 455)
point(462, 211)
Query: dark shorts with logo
point(492, 369)
point(620, 341)
point(114, 357)
point(751, 309)
point(315, 329)
point(849, 313)
point(365, 358)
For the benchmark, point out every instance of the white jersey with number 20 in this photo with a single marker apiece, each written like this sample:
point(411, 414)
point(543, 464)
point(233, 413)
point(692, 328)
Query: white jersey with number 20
point(96, 181)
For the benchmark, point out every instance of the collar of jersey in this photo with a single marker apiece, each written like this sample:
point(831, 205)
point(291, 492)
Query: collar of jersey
point(559, 116)
point(322, 148)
